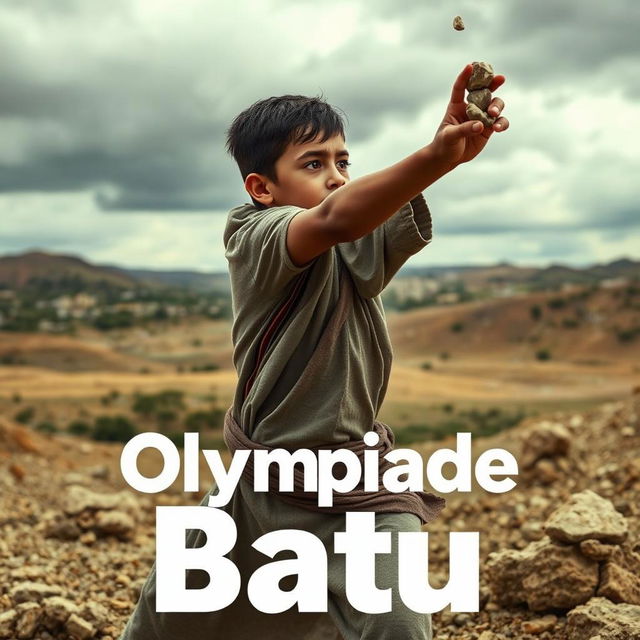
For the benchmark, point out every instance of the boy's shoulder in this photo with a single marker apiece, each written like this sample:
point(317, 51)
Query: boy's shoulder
point(246, 213)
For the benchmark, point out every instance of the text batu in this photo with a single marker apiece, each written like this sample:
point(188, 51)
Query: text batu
point(359, 542)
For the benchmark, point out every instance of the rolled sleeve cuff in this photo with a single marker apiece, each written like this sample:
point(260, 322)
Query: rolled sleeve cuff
point(412, 228)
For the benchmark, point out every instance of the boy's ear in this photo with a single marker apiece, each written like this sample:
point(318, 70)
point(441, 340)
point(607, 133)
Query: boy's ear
point(258, 187)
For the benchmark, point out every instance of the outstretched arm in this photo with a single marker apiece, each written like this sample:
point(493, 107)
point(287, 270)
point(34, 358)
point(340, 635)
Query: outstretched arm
point(358, 207)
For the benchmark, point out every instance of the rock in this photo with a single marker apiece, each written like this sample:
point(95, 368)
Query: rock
point(79, 498)
point(62, 528)
point(544, 575)
point(78, 628)
point(17, 471)
point(586, 515)
point(619, 585)
point(474, 113)
point(88, 538)
point(95, 613)
point(461, 619)
point(540, 625)
point(458, 24)
point(546, 471)
point(481, 76)
point(481, 98)
point(100, 472)
point(115, 523)
point(33, 591)
point(596, 549)
point(532, 531)
point(57, 610)
point(546, 439)
point(604, 619)
point(30, 615)
point(7, 623)
point(620, 576)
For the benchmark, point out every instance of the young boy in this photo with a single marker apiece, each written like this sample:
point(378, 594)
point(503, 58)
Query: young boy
point(308, 261)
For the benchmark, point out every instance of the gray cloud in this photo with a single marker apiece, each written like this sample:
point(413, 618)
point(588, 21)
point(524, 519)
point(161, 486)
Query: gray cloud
point(130, 100)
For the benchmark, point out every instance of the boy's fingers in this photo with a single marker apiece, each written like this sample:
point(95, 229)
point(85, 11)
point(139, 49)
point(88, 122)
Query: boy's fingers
point(497, 81)
point(500, 124)
point(456, 132)
point(496, 107)
point(459, 86)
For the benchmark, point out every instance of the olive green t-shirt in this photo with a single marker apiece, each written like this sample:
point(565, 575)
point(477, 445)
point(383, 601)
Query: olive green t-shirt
point(340, 401)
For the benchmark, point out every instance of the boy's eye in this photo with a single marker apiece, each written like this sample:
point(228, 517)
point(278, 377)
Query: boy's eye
point(344, 163)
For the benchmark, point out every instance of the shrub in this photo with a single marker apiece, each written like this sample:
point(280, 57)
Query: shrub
point(177, 437)
point(152, 404)
point(24, 416)
point(570, 323)
point(627, 335)
point(199, 420)
point(46, 426)
point(536, 312)
point(447, 407)
point(426, 366)
point(209, 366)
point(166, 417)
point(17, 398)
point(113, 429)
point(543, 354)
point(556, 303)
point(114, 320)
point(445, 355)
point(457, 327)
point(79, 428)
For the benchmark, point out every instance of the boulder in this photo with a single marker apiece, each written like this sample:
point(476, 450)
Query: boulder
point(602, 618)
point(586, 516)
point(544, 440)
point(79, 498)
point(544, 575)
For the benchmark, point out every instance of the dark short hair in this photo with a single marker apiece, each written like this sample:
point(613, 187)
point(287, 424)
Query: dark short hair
point(260, 134)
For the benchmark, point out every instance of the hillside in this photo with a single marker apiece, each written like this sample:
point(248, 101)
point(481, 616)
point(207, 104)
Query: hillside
point(17, 271)
point(584, 324)
point(77, 543)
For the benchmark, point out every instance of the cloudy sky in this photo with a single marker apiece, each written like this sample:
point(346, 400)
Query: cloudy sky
point(113, 117)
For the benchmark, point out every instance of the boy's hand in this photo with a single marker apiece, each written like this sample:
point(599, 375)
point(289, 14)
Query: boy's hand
point(459, 139)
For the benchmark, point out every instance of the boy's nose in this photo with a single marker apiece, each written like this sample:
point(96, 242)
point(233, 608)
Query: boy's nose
point(336, 180)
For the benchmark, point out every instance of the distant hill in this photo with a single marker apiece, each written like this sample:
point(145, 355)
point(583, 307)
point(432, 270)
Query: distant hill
point(17, 271)
point(194, 280)
point(550, 277)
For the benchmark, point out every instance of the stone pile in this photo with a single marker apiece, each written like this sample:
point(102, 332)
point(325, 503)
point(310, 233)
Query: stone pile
point(585, 558)
point(88, 515)
point(479, 96)
point(74, 586)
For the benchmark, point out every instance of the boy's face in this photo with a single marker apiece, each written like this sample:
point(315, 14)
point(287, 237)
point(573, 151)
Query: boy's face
point(307, 173)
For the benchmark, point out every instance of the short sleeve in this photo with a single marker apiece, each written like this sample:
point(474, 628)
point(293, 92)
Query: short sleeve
point(258, 246)
point(375, 258)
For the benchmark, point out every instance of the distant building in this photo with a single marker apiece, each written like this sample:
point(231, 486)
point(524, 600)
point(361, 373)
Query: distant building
point(614, 283)
point(448, 298)
point(77, 306)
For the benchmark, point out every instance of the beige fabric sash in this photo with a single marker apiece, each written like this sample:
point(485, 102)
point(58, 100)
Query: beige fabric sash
point(426, 506)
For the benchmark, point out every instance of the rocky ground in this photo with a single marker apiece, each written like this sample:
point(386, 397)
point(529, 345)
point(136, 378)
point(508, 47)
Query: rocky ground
point(560, 553)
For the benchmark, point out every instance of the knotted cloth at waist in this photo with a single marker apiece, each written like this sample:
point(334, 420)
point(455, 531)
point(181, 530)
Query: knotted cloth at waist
point(426, 506)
